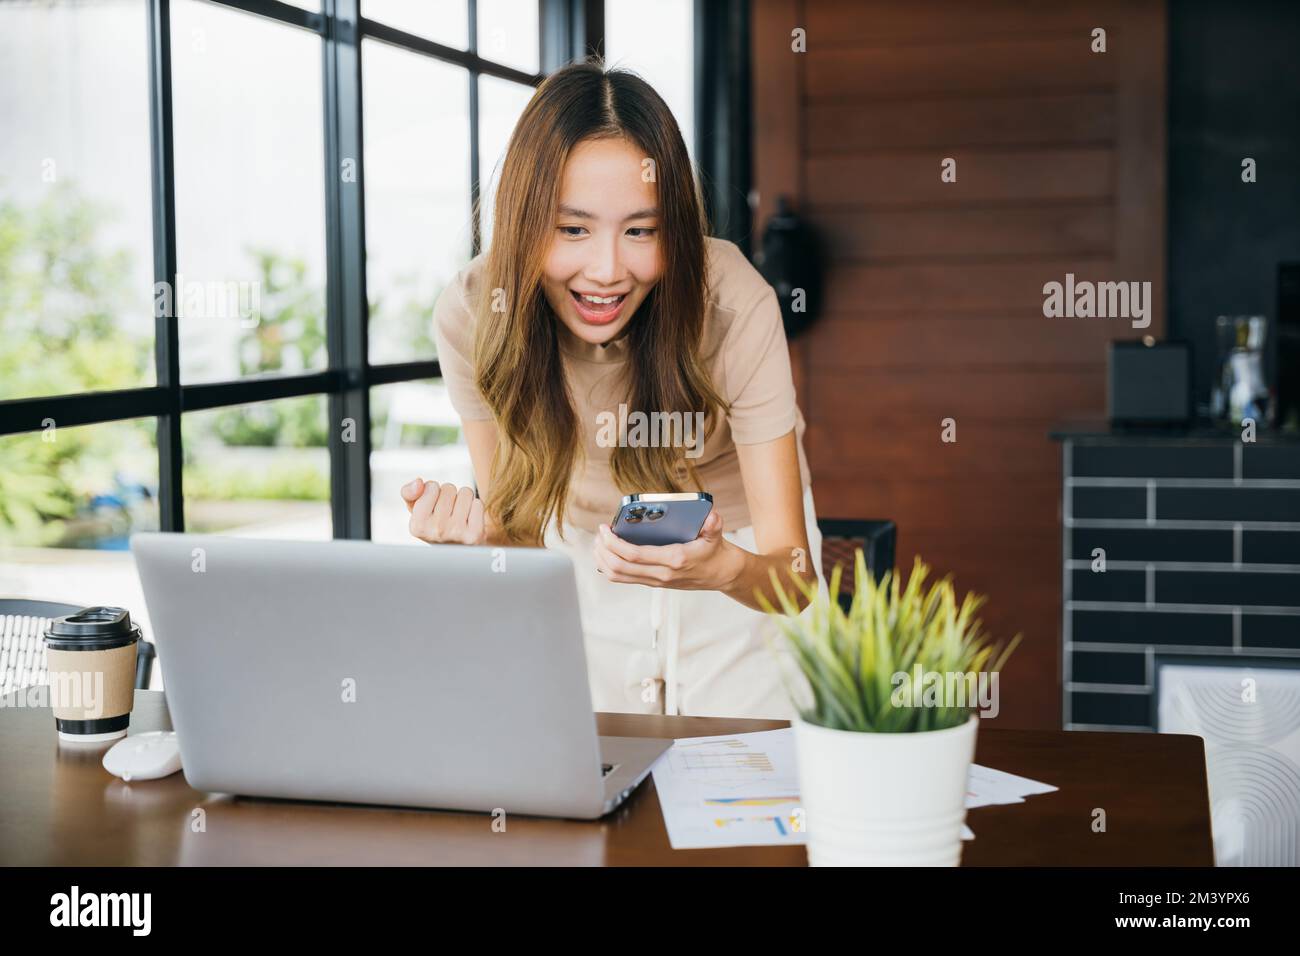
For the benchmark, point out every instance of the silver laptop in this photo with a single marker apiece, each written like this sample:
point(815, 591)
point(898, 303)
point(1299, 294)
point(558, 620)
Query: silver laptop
point(439, 676)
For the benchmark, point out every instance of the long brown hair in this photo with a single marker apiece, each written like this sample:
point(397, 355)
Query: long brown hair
point(519, 370)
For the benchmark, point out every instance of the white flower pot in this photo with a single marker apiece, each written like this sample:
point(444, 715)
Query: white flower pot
point(884, 799)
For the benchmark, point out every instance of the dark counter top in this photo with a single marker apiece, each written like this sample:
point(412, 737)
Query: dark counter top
point(1098, 429)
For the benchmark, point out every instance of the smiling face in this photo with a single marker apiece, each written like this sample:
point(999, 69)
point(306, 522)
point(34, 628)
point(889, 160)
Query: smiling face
point(604, 256)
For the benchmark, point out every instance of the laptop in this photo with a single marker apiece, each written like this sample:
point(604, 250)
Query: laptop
point(442, 676)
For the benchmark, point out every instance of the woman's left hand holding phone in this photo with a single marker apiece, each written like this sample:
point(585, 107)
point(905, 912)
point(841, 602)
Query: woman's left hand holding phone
point(444, 514)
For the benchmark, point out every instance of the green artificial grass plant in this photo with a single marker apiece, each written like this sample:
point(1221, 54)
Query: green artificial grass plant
point(866, 664)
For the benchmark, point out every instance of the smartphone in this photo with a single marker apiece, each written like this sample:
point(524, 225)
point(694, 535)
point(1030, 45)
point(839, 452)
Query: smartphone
point(668, 518)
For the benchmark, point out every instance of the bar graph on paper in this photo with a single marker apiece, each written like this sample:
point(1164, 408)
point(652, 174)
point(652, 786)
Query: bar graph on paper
point(730, 757)
point(737, 790)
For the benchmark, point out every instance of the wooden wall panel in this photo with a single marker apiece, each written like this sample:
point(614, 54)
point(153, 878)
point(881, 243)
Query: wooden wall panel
point(862, 22)
point(908, 177)
point(1007, 394)
point(978, 232)
point(960, 67)
point(923, 287)
point(933, 302)
point(951, 340)
point(1016, 119)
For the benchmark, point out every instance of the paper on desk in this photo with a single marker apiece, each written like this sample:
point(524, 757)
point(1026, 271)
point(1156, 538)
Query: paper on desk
point(730, 790)
point(743, 790)
point(988, 786)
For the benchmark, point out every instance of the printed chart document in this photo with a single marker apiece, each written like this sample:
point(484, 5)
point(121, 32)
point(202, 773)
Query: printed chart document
point(743, 790)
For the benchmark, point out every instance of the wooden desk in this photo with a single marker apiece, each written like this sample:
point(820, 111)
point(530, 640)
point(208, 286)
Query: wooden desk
point(60, 807)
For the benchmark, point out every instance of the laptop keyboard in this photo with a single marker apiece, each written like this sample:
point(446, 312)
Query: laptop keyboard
point(22, 651)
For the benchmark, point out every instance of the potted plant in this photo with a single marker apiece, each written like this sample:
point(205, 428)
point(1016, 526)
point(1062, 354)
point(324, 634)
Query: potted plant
point(885, 729)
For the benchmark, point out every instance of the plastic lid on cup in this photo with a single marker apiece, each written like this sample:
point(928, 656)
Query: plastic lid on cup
point(92, 627)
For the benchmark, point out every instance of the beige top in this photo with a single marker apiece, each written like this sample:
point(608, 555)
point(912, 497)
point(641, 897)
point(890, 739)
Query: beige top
point(746, 353)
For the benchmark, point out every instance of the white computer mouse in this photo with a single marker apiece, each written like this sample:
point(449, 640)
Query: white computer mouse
point(146, 756)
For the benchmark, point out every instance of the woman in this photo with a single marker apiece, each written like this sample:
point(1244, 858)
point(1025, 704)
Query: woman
point(601, 290)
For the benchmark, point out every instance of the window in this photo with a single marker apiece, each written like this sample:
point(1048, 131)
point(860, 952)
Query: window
point(87, 486)
point(415, 433)
point(442, 21)
point(259, 470)
point(661, 49)
point(418, 229)
point(250, 220)
point(500, 105)
point(70, 498)
point(76, 267)
point(507, 33)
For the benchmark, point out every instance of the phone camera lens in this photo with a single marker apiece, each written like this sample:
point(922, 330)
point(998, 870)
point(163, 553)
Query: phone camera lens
point(654, 514)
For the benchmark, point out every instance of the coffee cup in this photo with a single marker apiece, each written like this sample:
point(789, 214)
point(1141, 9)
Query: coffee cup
point(90, 660)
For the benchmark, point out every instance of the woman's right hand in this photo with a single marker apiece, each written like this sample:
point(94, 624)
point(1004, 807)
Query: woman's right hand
point(444, 514)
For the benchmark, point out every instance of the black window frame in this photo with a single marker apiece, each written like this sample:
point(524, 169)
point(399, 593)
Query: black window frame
point(567, 29)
